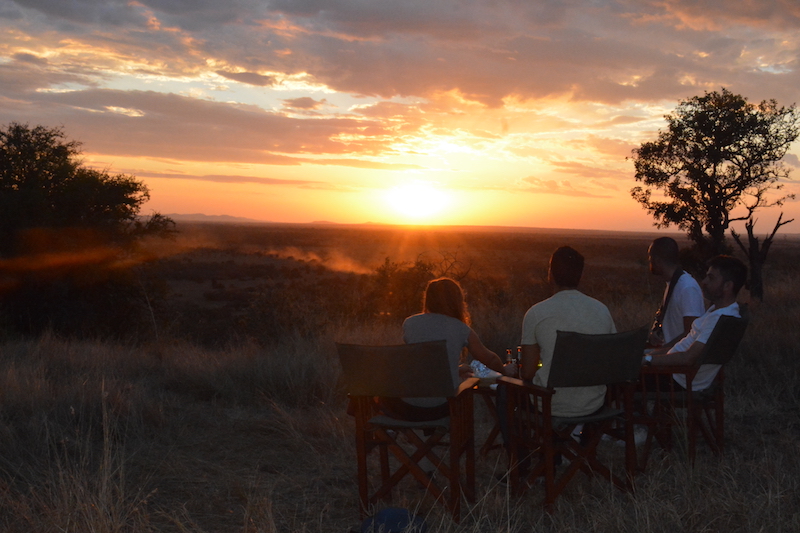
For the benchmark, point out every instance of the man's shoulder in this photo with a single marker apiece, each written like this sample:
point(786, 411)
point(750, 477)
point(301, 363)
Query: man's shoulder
point(730, 310)
point(567, 301)
point(686, 280)
point(589, 301)
point(688, 297)
point(711, 316)
point(687, 284)
point(543, 303)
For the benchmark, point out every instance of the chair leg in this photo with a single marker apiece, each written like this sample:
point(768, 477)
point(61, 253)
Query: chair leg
point(489, 444)
point(384, 456)
point(550, 493)
point(363, 482)
point(708, 426)
point(631, 458)
point(719, 403)
point(469, 463)
point(454, 489)
point(691, 426)
point(630, 440)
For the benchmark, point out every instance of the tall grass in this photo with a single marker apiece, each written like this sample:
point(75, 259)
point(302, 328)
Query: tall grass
point(171, 436)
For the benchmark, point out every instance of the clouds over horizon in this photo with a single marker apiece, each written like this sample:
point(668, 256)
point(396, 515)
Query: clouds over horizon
point(556, 89)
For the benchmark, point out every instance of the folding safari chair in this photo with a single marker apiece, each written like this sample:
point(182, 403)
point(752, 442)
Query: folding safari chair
point(705, 409)
point(579, 360)
point(410, 371)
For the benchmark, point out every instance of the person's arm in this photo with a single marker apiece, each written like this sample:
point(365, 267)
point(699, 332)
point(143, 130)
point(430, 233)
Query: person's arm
point(529, 356)
point(484, 354)
point(687, 327)
point(689, 357)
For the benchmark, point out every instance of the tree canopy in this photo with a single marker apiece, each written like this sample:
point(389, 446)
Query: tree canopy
point(44, 185)
point(719, 153)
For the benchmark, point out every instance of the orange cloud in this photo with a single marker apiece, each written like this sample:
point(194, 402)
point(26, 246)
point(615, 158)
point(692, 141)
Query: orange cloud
point(562, 187)
point(250, 78)
point(304, 102)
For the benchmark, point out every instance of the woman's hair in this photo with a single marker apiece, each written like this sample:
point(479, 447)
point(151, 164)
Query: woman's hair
point(445, 296)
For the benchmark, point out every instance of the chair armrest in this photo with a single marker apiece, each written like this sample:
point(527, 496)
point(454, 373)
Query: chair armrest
point(467, 384)
point(530, 387)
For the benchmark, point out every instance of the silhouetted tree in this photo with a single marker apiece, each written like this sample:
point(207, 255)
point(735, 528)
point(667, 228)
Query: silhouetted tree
point(45, 186)
point(757, 253)
point(718, 153)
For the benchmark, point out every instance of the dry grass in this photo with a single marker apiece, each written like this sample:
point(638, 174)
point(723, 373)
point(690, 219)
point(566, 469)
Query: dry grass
point(173, 437)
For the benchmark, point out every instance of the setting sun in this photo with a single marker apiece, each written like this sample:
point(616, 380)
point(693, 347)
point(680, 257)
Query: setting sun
point(418, 200)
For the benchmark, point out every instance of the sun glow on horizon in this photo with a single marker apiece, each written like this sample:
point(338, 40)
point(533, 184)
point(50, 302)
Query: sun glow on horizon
point(417, 200)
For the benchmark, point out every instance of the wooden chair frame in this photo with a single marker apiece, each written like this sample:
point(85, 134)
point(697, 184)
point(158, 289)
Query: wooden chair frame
point(579, 360)
point(488, 394)
point(705, 409)
point(409, 371)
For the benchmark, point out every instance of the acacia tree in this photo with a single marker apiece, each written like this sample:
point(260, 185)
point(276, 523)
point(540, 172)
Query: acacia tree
point(45, 186)
point(719, 153)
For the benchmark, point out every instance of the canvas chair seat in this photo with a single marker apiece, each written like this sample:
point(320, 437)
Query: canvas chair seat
point(605, 413)
point(410, 371)
point(579, 360)
point(705, 409)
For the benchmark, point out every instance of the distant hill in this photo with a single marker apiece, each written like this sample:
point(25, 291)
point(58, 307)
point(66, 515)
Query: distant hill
point(200, 217)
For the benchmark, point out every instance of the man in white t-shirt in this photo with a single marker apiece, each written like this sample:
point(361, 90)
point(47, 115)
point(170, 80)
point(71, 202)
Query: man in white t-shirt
point(725, 276)
point(567, 310)
point(681, 304)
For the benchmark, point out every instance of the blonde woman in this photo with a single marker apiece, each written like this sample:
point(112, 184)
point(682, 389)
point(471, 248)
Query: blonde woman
point(444, 317)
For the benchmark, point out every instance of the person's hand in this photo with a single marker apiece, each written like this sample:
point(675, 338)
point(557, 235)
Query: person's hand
point(511, 370)
point(655, 340)
point(465, 372)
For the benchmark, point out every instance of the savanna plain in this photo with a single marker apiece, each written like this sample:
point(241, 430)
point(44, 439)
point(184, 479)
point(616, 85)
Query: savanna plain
point(225, 410)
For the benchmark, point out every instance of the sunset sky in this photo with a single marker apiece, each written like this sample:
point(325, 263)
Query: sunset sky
point(476, 112)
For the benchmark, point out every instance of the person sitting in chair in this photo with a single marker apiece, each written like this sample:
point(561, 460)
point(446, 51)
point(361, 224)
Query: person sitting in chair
point(683, 298)
point(567, 310)
point(726, 275)
point(444, 317)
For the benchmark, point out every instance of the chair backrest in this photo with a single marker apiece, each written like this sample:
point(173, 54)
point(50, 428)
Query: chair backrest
point(401, 371)
point(583, 360)
point(724, 340)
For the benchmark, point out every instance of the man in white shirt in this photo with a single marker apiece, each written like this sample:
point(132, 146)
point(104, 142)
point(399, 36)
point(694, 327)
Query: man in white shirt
point(683, 299)
point(567, 310)
point(725, 276)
